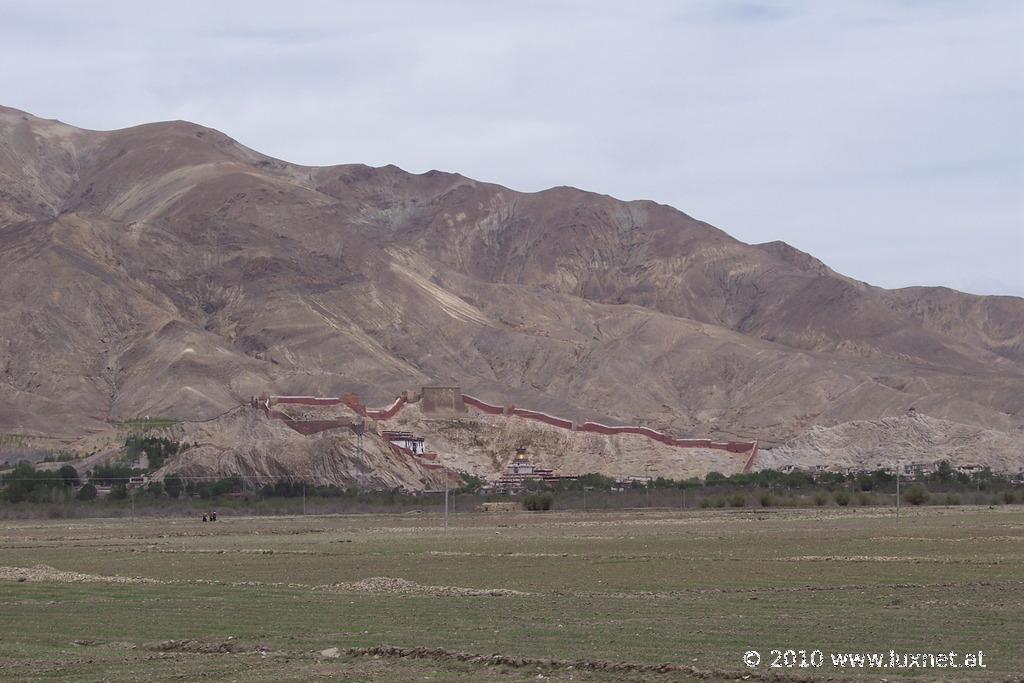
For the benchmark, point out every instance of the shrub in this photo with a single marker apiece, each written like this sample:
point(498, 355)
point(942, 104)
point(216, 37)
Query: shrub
point(119, 491)
point(917, 494)
point(1008, 497)
point(173, 485)
point(842, 498)
point(706, 502)
point(720, 502)
point(87, 492)
point(952, 499)
point(537, 502)
point(865, 499)
point(768, 500)
point(737, 500)
point(820, 498)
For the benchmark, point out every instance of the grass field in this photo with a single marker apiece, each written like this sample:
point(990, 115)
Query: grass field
point(258, 599)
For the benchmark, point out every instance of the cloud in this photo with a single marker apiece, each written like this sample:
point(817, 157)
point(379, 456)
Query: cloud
point(883, 137)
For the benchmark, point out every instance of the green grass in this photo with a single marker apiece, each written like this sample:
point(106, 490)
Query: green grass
point(695, 588)
point(146, 426)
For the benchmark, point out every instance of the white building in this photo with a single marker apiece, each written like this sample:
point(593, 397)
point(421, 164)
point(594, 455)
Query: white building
point(407, 440)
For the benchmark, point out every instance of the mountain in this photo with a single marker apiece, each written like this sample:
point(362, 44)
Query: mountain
point(166, 270)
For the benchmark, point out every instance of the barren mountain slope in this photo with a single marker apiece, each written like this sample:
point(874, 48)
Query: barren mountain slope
point(873, 444)
point(484, 444)
point(167, 270)
point(246, 444)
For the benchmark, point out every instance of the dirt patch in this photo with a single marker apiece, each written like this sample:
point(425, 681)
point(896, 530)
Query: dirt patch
point(228, 646)
point(219, 551)
point(887, 558)
point(44, 573)
point(634, 668)
point(453, 553)
point(959, 585)
point(396, 586)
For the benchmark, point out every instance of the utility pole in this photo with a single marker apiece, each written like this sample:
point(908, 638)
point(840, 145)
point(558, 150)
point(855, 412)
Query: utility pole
point(359, 428)
point(897, 492)
point(446, 502)
point(132, 498)
point(303, 499)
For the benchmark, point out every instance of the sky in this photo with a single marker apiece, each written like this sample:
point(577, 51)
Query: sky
point(885, 138)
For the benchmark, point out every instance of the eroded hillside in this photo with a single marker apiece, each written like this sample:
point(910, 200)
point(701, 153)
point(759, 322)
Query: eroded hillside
point(166, 270)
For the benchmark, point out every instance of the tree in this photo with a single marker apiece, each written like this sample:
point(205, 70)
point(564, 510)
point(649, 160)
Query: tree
point(173, 485)
point(831, 478)
point(470, 483)
point(283, 489)
point(119, 491)
point(70, 475)
point(797, 479)
point(917, 494)
point(113, 473)
point(156, 449)
point(882, 479)
point(87, 492)
point(983, 479)
point(539, 501)
point(944, 472)
point(535, 485)
point(25, 482)
point(232, 484)
point(595, 481)
point(18, 483)
point(714, 478)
